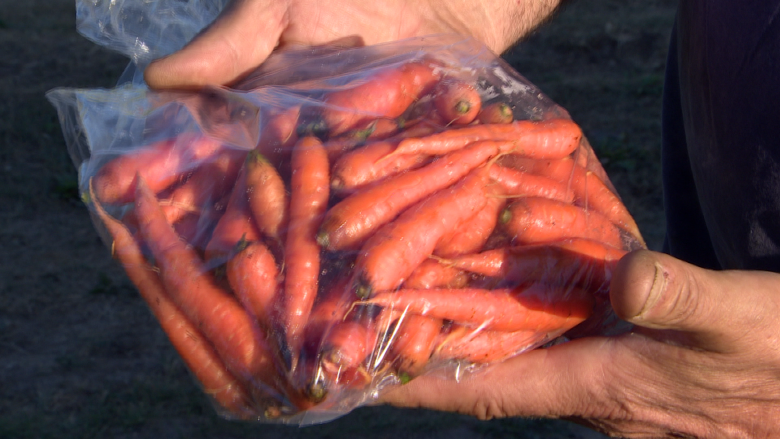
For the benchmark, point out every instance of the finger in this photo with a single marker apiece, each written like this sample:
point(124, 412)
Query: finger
point(715, 309)
point(239, 40)
point(563, 381)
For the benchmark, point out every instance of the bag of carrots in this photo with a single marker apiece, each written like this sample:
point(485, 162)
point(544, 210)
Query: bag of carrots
point(316, 235)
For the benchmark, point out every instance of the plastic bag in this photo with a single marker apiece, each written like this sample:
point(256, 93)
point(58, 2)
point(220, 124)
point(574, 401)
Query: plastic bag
point(347, 219)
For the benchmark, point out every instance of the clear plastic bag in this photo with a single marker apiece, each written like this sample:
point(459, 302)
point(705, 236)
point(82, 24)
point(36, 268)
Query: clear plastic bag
point(347, 219)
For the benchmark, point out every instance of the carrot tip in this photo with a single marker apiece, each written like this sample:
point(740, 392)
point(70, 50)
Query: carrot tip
point(256, 157)
point(323, 239)
point(505, 216)
point(316, 127)
point(462, 107)
point(337, 183)
point(316, 391)
point(363, 290)
point(272, 413)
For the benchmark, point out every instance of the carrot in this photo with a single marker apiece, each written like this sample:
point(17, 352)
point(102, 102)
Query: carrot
point(423, 112)
point(329, 308)
point(590, 192)
point(473, 234)
point(418, 129)
point(189, 229)
point(196, 352)
point(267, 196)
point(483, 346)
point(535, 220)
point(495, 113)
point(218, 315)
point(377, 129)
point(456, 101)
point(161, 164)
point(414, 342)
point(433, 274)
point(352, 220)
point(586, 157)
point(345, 351)
point(387, 93)
point(389, 256)
point(254, 278)
point(308, 200)
point(205, 185)
point(337, 147)
point(362, 166)
point(553, 138)
point(576, 261)
point(234, 227)
point(515, 183)
point(595, 195)
point(535, 308)
point(347, 344)
point(278, 134)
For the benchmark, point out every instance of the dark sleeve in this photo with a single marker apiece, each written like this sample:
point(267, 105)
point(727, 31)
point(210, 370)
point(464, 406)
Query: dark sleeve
point(725, 86)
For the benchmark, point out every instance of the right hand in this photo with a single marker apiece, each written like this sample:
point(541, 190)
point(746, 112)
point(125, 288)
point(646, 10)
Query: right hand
point(247, 31)
point(702, 361)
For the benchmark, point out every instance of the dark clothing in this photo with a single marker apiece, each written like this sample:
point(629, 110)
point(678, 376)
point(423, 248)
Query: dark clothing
point(721, 135)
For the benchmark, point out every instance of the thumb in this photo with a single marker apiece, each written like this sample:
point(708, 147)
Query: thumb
point(240, 39)
point(712, 309)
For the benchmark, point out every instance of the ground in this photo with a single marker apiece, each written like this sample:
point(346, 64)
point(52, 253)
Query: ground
point(81, 356)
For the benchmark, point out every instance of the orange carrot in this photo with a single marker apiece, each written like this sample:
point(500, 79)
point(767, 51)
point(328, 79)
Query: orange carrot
point(515, 183)
point(590, 191)
point(594, 195)
point(352, 220)
point(553, 138)
point(267, 196)
point(495, 113)
point(473, 234)
point(329, 309)
point(414, 342)
point(483, 346)
point(536, 220)
point(234, 227)
point(575, 261)
point(279, 134)
point(456, 101)
point(586, 157)
point(389, 256)
point(189, 229)
point(308, 200)
point(160, 164)
point(186, 338)
point(433, 274)
point(254, 278)
point(377, 129)
point(387, 93)
point(535, 308)
point(362, 166)
point(219, 316)
point(347, 344)
point(204, 186)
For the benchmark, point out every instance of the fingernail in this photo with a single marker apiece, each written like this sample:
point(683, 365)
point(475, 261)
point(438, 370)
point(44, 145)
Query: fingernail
point(656, 290)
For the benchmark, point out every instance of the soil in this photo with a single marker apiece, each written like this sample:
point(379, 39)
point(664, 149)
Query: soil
point(81, 356)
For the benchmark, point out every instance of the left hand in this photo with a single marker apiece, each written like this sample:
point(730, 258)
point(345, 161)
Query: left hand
point(702, 361)
point(247, 31)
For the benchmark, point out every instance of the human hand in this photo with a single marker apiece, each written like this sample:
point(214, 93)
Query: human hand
point(702, 361)
point(247, 31)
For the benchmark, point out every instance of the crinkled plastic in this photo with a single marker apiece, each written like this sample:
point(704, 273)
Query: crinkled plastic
point(347, 219)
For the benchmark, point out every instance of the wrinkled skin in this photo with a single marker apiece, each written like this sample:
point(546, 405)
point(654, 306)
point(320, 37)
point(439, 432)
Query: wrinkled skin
point(703, 361)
